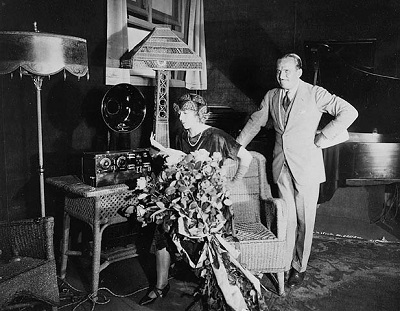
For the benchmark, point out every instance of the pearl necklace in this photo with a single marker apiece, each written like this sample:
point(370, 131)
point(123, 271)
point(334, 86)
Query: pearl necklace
point(198, 139)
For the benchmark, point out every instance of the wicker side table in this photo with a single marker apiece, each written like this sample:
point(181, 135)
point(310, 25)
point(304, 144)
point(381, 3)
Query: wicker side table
point(97, 207)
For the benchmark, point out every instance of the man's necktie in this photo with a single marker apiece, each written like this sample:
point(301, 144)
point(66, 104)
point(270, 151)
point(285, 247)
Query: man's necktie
point(286, 101)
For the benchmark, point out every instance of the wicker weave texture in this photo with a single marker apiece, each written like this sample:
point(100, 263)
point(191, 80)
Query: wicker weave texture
point(102, 209)
point(29, 238)
point(262, 256)
point(253, 231)
point(39, 282)
point(261, 245)
point(35, 274)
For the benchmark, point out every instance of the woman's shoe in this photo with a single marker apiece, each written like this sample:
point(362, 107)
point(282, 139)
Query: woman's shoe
point(159, 293)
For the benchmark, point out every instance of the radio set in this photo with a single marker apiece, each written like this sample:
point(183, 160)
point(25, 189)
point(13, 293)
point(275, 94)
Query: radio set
point(123, 109)
point(115, 167)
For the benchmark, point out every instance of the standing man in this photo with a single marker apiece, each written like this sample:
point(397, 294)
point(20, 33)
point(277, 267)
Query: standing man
point(298, 167)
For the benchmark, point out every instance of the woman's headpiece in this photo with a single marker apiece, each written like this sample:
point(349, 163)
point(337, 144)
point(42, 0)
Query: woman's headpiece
point(195, 102)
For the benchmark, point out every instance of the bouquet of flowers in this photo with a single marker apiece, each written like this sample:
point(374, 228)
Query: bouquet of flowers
point(190, 199)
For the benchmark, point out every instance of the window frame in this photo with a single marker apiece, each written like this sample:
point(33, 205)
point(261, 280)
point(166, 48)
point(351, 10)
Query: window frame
point(140, 16)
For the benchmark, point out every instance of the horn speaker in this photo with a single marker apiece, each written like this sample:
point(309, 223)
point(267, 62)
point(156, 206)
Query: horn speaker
point(123, 108)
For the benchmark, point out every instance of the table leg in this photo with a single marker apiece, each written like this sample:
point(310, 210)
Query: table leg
point(65, 245)
point(97, 234)
point(281, 283)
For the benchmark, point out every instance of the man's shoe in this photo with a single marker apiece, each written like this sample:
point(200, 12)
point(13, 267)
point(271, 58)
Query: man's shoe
point(296, 278)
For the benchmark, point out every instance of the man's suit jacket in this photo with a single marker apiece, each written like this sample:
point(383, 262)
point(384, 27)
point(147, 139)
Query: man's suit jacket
point(295, 142)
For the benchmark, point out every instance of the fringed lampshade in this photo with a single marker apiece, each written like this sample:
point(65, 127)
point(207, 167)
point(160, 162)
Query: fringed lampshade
point(41, 55)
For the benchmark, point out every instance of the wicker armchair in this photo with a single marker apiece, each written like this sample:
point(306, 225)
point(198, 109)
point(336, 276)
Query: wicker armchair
point(27, 264)
point(261, 243)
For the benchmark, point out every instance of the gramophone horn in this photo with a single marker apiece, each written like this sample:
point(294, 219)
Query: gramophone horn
point(123, 108)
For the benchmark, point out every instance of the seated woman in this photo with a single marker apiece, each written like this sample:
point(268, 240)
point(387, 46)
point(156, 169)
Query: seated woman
point(196, 135)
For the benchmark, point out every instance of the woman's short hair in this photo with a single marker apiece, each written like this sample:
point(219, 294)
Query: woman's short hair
point(296, 58)
point(195, 102)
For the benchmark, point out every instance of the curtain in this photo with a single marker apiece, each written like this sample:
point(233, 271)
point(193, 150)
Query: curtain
point(197, 42)
point(117, 41)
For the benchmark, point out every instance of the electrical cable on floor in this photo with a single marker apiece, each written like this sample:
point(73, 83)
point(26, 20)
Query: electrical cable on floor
point(81, 299)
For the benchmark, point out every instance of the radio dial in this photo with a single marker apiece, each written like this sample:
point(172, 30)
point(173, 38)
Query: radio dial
point(105, 163)
point(122, 162)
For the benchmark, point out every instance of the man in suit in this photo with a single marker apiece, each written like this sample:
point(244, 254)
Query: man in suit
point(298, 168)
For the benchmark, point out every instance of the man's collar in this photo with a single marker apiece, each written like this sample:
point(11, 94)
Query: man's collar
point(293, 90)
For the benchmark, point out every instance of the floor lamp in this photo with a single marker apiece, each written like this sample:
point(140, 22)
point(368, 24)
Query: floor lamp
point(163, 51)
point(40, 55)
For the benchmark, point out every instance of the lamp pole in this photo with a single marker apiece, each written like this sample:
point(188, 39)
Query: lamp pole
point(161, 109)
point(39, 55)
point(37, 81)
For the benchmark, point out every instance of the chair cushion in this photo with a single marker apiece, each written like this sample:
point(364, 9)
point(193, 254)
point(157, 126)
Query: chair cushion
point(253, 231)
point(29, 277)
point(14, 268)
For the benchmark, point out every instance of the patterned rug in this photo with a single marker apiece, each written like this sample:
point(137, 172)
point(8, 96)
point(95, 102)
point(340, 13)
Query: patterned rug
point(345, 274)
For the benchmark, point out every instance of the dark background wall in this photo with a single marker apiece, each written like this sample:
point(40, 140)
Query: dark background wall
point(243, 40)
point(70, 109)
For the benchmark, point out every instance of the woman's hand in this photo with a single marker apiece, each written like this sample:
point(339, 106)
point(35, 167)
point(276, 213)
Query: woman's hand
point(174, 156)
point(155, 143)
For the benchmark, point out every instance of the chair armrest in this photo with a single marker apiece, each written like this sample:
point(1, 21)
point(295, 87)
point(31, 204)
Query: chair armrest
point(28, 237)
point(274, 216)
